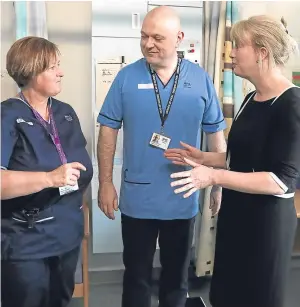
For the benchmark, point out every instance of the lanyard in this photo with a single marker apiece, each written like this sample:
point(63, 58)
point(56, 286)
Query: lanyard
point(163, 117)
point(53, 133)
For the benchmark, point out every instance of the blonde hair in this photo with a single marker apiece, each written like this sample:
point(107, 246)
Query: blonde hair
point(265, 31)
point(28, 57)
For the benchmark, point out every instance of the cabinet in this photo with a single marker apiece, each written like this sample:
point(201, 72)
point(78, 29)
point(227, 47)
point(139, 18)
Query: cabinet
point(118, 18)
point(108, 47)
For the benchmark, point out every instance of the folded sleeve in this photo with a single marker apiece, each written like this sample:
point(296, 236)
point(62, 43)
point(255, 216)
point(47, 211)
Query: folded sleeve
point(9, 134)
point(111, 113)
point(213, 119)
point(285, 145)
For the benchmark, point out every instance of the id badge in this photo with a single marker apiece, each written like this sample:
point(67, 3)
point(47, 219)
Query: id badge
point(160, 141)
point(68, 189)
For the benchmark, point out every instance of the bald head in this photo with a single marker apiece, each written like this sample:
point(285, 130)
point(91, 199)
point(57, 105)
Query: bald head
point(161, 35)
point(164, 16)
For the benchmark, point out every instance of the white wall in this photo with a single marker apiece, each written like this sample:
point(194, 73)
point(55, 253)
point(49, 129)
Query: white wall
point(73, 37)
point(74, 41)
point(8, 88)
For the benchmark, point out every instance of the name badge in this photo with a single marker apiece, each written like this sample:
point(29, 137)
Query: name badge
point(68, 189)
point(145, 86)
point(160, 141)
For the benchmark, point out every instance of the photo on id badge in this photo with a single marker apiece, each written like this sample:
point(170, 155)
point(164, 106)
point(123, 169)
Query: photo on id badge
point(160, 141)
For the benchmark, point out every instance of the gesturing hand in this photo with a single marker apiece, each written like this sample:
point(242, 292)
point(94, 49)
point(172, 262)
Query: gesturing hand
point(199, 177)
point(67, 174)
point(215, 199)
point(177, 155)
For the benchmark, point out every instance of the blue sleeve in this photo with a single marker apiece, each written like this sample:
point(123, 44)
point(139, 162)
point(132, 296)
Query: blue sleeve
point(76, 119)
point(9, 134)
point(213, 119)
point(111, 113)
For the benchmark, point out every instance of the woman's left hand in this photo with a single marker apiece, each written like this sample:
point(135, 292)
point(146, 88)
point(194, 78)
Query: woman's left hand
point(199, 177)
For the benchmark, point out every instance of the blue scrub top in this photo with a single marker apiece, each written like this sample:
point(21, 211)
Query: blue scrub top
point(145, 188)
point(27, 146)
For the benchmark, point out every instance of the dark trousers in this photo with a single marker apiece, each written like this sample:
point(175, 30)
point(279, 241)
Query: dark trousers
point(139, 240)
point(39, 283)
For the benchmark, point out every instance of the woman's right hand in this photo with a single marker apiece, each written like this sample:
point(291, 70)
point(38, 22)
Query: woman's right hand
point(177, 155)
point(67, 174)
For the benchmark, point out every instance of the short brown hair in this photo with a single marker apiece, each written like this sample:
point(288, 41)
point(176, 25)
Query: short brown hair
point(28, 57)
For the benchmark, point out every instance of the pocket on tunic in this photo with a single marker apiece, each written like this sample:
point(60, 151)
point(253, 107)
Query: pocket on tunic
point(23, 216)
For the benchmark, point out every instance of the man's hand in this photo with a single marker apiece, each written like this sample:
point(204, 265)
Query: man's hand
point(177, 155)
point(108, 199)
point(215, 199)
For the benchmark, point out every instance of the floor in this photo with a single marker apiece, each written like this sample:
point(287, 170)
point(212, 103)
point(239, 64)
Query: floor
point(109, 295)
